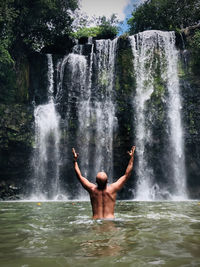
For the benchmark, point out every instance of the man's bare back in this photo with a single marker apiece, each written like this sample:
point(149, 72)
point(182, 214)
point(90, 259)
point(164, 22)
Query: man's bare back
point(103, 196)
point(103, 202)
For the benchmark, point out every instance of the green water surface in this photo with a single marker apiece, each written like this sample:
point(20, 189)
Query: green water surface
point(63, 234)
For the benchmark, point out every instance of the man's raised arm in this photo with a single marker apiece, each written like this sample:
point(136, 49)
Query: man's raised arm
point(121, 181)
point(85, 183)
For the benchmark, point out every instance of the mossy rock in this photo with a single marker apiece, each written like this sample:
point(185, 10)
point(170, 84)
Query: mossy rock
point(16, 124)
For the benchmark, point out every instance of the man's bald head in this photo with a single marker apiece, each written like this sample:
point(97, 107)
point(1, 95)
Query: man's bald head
point(101, 179)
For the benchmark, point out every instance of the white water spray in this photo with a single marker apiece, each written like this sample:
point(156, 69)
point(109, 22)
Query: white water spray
point(46, 160)
point(174, 115)
point(144, 47)
point(79, 74)
point(104, 107)
point(96, 112)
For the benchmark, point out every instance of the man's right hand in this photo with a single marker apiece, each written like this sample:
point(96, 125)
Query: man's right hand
point(75, 154)
point(131, 152)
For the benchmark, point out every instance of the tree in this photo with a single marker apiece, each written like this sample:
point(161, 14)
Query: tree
point(7, 17)
point(40, 22)
point(26, 26)
point(164, 15)
point(104, 27)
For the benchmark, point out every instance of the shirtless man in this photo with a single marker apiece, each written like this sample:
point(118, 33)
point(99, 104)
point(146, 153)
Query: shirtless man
point(103, 196)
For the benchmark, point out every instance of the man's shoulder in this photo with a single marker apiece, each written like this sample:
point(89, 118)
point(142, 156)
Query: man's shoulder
point(97, 190)
point(94, 188)
point(110, 186)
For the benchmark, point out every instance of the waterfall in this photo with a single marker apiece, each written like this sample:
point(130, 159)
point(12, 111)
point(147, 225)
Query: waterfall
point(79, 90)
point(153, 50)
point(85, 89)
point(143, 53)
point(81, 104)
point(50, 77)
point(90, 89)
point(104, 107)
point(46, 159)
point(174, 115)
point(84, 116)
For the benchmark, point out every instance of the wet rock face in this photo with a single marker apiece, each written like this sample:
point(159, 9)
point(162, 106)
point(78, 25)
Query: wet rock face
point(10, 191)
point(38, 78)
point(124, 90)
point(190, 88)
point(16, 141)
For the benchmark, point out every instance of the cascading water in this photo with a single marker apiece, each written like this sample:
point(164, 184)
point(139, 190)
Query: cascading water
point(78, 90)
point(86, 98)
point(144, 83)
point(104, 107)
point(84, 116)
point(174, 115)
point(151, 49)
point(94, 104)
point(74, 94)
point(46, 159)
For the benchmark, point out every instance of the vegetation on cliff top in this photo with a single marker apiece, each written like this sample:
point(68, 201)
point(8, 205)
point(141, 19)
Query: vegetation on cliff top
point(164, 15)
point(27, 26)
point(182, 16)
point(104, 27)
point(194, 45)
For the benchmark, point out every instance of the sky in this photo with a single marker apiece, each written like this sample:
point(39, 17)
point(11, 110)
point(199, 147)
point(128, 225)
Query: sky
point(122, 8)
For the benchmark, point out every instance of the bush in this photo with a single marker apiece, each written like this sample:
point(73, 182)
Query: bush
point(104, 29)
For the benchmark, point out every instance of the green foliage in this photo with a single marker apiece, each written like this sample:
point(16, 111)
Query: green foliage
point(41, 22)
point(27, 26)
point(8, 15)
point(86, 32)
point(7, 74)
point(194, 45)
point(164, 15)
point(124, 60)
point(16, 119)
point(108, 27)
point(105, 28)
point(32, 24)
point(195, 42)
point(5, 57)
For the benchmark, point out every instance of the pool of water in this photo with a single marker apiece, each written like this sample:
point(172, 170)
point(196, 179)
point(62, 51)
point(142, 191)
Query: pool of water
point(63, 234)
